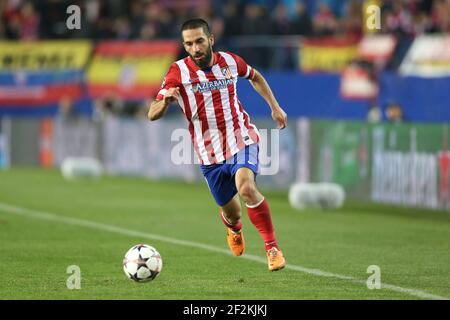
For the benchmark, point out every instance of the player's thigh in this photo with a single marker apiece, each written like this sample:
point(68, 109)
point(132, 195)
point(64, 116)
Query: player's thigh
point(232, 207)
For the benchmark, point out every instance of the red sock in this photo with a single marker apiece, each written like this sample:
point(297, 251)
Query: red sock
point(260, 216)
point(236, 228)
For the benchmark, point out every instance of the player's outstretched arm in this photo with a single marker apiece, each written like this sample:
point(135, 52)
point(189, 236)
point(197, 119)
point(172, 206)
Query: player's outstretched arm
point(262, 87)
point(159, 107)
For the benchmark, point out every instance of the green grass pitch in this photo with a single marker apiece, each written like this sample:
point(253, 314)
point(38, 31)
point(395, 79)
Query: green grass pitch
point(411, 246)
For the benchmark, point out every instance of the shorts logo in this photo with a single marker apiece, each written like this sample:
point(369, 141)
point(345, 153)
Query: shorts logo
point(226, 73)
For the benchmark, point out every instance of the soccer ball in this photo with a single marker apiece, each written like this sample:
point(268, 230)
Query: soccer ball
point(142, 263)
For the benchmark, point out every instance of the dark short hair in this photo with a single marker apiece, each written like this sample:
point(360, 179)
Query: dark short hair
point(196, 23)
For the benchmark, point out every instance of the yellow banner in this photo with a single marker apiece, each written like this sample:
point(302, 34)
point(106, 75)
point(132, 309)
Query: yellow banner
point(44, 55)
point(140, 70)
point(326, 58)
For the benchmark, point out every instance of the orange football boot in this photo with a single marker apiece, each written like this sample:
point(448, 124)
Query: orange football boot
point(275, 259)
point(235, 242)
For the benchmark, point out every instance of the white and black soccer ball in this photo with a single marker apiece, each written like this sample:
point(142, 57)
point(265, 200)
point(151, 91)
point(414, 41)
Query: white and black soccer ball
point(142, 263)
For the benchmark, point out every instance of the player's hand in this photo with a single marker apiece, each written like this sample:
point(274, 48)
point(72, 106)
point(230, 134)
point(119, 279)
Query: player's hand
point(280, 117)
point(171, 94)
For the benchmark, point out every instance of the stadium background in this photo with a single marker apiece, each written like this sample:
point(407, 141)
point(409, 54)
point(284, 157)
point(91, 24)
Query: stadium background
point(368, 109)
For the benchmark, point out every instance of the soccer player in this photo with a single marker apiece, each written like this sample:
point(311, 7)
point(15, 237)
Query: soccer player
point(226, 142)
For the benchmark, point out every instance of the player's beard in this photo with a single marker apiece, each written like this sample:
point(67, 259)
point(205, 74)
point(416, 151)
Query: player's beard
point(204, 62)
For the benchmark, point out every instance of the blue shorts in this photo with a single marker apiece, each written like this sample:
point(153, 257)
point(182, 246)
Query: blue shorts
point(220, 176)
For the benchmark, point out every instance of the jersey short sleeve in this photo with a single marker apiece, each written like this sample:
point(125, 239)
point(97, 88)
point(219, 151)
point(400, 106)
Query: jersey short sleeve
point(171, 80)
point(244, 70)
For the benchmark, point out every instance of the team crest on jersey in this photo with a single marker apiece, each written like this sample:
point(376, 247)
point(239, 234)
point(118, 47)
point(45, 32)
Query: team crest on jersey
point(226, 73)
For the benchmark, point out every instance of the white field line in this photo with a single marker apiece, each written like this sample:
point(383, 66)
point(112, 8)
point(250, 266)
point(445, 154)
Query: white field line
point(41, 215)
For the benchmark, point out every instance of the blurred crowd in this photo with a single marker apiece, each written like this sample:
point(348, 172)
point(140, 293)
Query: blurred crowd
point(250, 26)
point(156, 19)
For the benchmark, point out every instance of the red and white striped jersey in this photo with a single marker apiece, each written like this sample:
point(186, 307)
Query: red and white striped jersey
point(218, 124)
